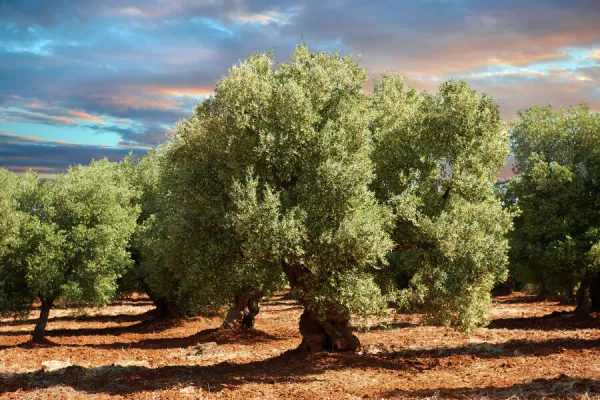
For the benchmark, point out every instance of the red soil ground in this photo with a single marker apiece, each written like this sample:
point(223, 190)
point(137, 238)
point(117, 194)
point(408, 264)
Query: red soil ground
point(116, 352)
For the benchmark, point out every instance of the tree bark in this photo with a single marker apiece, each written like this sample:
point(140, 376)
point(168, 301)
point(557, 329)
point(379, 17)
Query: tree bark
point(245, 310)
point(40, 328)
point(320, 333)
point(331, 333)
point(584, 300)
point(164, 308)
point(595, 293)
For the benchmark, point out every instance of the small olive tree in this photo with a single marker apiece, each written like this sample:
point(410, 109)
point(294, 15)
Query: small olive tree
point(270, 177)
point(436, 159)
point(72, 239)
point(556, 240)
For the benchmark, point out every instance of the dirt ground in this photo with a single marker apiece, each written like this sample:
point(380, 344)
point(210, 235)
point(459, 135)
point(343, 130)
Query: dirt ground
point(116, 352)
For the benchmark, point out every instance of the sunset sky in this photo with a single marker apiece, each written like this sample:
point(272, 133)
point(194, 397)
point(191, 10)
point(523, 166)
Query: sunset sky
point(87, 79)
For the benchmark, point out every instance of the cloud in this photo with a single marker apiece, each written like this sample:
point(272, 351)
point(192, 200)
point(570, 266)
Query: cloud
point(560, 88)
point(142, 136)
point(135, 67)
point(82, 115)
point(7, 115)
point(20, 153)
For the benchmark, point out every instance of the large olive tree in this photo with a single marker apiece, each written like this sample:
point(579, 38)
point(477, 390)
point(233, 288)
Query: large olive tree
point(269, 178)
point(437, 157)
point(71, 242)
point(556, 240)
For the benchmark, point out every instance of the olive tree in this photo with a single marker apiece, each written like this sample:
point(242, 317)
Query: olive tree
point(269, 178)
point(147, 272)
point(437, 157)
point(10, 224)
point(556, 240)
point(72, 240)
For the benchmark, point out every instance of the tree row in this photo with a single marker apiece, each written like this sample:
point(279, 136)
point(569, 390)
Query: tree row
point(291, 176)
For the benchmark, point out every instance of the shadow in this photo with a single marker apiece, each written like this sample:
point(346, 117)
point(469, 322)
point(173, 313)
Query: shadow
point(85, 318)
point(526, 299)
point(146, 326)
point(216, 335)
point(118, 380)
point(387, 327)
point(140, 301)
point(281, 303)
point(298, 307)
point(555, 321)
point(512, 348)
point(562, 386)
point(293, 366)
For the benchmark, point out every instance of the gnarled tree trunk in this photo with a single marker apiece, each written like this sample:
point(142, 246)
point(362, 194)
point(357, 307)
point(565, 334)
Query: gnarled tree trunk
point(595, 293)
point(319, 333)
point(164, 308)
point(246, 308)
point(40, 328)
point(588, 295)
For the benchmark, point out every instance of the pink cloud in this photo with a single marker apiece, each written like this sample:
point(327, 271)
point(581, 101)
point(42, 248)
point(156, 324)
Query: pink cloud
point(82, 115)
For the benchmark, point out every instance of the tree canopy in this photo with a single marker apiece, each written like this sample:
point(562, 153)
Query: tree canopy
point(437, 157)
point(271, 175)
point(556, 240)
point(71, 243)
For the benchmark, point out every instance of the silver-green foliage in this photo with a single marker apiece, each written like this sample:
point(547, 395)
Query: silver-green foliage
point(273, 170)
point(71, 242)
point(557, 196)
point(143, 174)
point(437, 157)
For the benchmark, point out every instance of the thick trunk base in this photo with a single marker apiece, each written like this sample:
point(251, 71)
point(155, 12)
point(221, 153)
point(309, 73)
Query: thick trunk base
point(595, 293)
point(40, 328)
point(165, 309)
point(243, 314)
point(331, 334)
point(588, 295)
point(505, 288)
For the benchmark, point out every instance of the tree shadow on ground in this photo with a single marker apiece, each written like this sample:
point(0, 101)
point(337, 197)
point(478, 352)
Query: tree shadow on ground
point(278, 301)
point(292, 366)
point(145, 326)
point(555, 321)
point(281, 310)
point(526, 299)
point(216, 335)
point(387, 326)
point(120, 318)
point(140, 301)
point(562, 386)
point(512, 348)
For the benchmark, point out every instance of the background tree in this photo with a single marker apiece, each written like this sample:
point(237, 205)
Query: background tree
point(72, 239)
point(436, 158)
point(556, 239)
point(271, 175)
point(10, 224)
point(147, 273)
